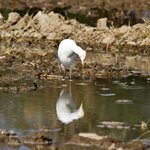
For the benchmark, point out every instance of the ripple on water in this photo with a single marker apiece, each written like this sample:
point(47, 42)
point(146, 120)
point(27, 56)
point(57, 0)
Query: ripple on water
point(123, 101)
point(148, 80)
point(105, 89)
point(116, 82)
point(107, 94)
point(124, 85)
point(113, 124)
point(133, 87)
point(81, 83)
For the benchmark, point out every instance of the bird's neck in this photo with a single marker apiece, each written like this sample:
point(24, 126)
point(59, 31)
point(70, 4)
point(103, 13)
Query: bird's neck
point(77, 50)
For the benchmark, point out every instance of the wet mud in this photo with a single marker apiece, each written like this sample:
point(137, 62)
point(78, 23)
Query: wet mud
point(43, 140)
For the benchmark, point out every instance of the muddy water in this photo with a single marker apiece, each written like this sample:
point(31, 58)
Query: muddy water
point(79, 107)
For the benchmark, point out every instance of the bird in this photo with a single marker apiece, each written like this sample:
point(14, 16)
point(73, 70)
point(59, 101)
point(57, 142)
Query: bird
point(66, 108)
point(68, 52)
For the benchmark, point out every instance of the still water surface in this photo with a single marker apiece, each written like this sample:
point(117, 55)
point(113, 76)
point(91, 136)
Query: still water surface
point(79, 107)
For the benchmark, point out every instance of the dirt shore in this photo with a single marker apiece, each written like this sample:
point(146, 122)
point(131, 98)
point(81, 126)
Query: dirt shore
point(83, 141)
point(29, 44)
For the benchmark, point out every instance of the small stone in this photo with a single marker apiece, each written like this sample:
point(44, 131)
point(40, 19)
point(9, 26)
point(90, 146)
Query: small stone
point(92, 136)
point(102, 23)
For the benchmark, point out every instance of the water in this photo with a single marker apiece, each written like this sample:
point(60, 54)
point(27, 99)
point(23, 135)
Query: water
point(59, 108)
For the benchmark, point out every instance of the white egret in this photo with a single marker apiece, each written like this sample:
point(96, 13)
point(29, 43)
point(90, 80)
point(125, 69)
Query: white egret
point(68, 51)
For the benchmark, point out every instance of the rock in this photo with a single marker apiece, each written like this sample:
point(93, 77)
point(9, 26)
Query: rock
point(23, 23)
point(102, 23)
point(108, 39)
point(47, 22)
point(1, 19)
point(67, 29)
point(37, 139)
point(137, 26)
point(13, 18)
point(124, 29)
point(92, 136)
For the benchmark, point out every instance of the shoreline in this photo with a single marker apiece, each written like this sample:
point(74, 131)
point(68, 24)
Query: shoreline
point(31, 42)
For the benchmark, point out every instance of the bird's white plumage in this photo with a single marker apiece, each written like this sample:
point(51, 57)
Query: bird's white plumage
point(68, 51)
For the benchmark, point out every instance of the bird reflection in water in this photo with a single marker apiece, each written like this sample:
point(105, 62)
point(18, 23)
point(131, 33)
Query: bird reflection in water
point(66, 109)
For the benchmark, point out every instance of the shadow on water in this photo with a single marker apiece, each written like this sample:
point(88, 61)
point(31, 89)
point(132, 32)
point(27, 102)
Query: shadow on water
point(82, 107)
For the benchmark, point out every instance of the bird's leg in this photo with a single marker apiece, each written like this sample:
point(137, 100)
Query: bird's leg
point(70, 89)
point(70, 75)
point(64, 71)
point(64, 74)
point(107, 48)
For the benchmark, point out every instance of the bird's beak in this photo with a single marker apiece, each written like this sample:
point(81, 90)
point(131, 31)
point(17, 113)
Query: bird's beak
point(82, 63)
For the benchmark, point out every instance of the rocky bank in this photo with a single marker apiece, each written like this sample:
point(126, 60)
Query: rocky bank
point(28, 46)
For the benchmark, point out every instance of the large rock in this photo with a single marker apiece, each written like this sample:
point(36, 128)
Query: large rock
point(124, 29)
point(48, 22)
point(13, 18)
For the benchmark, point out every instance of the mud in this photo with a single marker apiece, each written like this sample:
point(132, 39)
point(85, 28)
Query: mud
point(43, 140)
point(105, 143)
